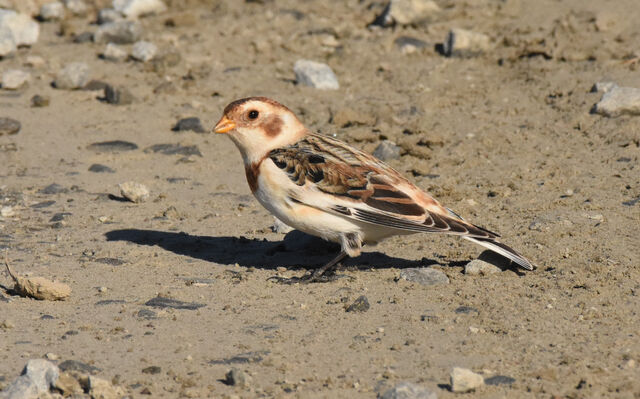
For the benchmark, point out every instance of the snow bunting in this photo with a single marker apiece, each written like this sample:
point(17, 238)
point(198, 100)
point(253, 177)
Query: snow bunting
point(326, 188)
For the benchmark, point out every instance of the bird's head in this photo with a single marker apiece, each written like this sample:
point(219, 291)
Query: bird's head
point(258, 125)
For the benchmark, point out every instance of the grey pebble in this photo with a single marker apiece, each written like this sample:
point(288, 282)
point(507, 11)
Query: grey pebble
point(95, 85)
point(110, 261)
point(466, 310)
point(143, 51)
point(191, 123)
point(112, 146)
point(107, 15)
point(386, 151)
point(75, 365)
point(39, 101)
point(172, 149)
point(408, 390)
point(161, 302)
point(110, 302)
point(9, 126)
point(424, 276)
point(53, 188)
point(409, 45)
point(118, 96)
point(603, 87)
point(115, 53)
point(361, 304)
point(98, 168)
point(619, 101)
point(242, 358)
point(152, 370)
point(84, 37)
point(60, 216)
point(237, 377)
point(499, 380)
point(52, 11)
point(119, 32)
point(147, 314)
point(315, 74)
point(73, 76)
point(43, 204)
point(479, 267)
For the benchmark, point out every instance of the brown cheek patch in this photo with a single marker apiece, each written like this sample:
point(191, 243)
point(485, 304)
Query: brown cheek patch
point(273, 126)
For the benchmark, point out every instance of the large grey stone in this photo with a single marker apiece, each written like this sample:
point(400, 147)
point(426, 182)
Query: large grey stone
point(143, 51)
point(619, 101)
point(13, 79)
point(408, 390)
point(24, 29)
point(119, 32)
point(315, 74)
point(387, 150)
point(424, 276)
point(73, 76)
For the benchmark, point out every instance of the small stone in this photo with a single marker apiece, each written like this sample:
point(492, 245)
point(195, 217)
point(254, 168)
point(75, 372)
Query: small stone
point(52, 11)
point(174, 149)
point(9, 126)
point(7, 211)
point(112, 146)
point(7, 44)
point(84, 37)
point(619, 101)
point(107, 15)
point(119, 32)
point(191, 123)
point(387, 150)
point(134, 192)
point(280, 227)
point(68, 385)
point(23, 29)
point(13, 79)
point(360, 305)
point(113, 52)
point(34, 61)
point(152, 370)
point(7, 325)
point(408, 390)
point(42, 372)
point(479, 267)
point(315, 74)
point(162, 302)
point(53, 188)
point(103, 389)
point(424, 276)
point(95, 85)
point(465, 43)
point(465, 380)
point(409, 45)
point(143, 51)
point(406, 12)
point(77, 7)
point(98, 168)
point(135, 8)
point(603, 87)
point(499, 380)
point(237, 377)
point(39, 101)
point(118, 96)
point(51, 356)
point(73, 76)
point(466, 310)
point(75, 365)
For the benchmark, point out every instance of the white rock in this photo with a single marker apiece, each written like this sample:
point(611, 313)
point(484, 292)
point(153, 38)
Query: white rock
point(7, 44)
point(52, 11)
point(34, 61)
point(42, 372)
point(73, 76)
point(143, 51)
point(465, 380)
point(424, 276)
point(107, 15)
point(13, 79)
point(479, 267)
point(119, 32)
point(406, 12)
point(315, 74)
point(20, 388)
point(603, 87)
point(25, 30)
point(7, 211)
point(280, 227)
point(135, 8)
point(113, 52)
point(464, 43)
point(77, 7)
point(134, 192)
point(407, 390)
point(619, 101)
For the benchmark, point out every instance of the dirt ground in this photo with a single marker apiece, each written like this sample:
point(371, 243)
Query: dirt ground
point(505, 138)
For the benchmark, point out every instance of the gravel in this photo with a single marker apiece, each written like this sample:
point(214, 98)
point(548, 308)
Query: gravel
point(9, 126)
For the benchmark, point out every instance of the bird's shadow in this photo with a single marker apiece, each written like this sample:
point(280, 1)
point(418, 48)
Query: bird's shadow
point(296, 250)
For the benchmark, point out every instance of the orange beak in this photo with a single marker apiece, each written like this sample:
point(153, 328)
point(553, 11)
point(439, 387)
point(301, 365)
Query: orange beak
point(224, 125)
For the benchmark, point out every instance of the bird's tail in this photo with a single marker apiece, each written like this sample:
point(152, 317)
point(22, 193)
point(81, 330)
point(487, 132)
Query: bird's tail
point(503, 250)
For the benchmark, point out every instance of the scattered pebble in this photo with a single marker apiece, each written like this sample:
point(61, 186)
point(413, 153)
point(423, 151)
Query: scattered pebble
point(315, 74)
point(112, 146)
point(77, 7)
point(387, 150)
point(173, 149)
point(408, 390)
point(619, 101)
point(424, 276)
point(499, 380)
point(238, 378)
point(479, 267)
point(84, 37)
point(13, 79)
point(118, 95)
point(7, 325)
point(38, 287)
point(100, 388)
point(465, 380)
point(603, 87)
point(53, 11)
point(39, 101)
point(51, 356)
point(406, 12)
point(191, 123)
point(466, 310)
point(409, 45)
point(465, 43)
point(113, 52)
point(7, 211)
point(99, 168)
point(53, 188)
point(360, 305)
point(280, 227)
point(135, 8)
point(162, 302)
point(107, 15)
point(68, 385)
point(152, 370)
point(73, 76)
point(23, 29)
point(9, 126)
point(95, 85)
point(75, 365)
point(134, 192)
point(119, 32)
point(143, 51)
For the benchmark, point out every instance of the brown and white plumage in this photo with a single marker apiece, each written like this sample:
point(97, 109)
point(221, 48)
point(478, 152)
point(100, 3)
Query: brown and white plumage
point(326, 188)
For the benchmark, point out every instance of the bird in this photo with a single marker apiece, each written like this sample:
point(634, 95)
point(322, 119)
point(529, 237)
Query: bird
point(326, 188)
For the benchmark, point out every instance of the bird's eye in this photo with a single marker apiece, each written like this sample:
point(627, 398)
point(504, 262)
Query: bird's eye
point(253, 114)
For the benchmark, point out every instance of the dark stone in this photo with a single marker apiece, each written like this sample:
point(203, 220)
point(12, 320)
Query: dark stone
point(9, 126)
point(60, 216)
point(118, 96)
point(172, 149)
point(95, 85)
point(53, 189)
point(98, 168)
point(112, 146)
point(110, 261)
point(632, 202)
point(74, 365)
point(466, 310)
point(43, 204)
point(178, 179)
point(110, 302)
point(192, 123)
point(84, 37)
point(39, 101)
point(359, 305)
point(499, 380)
point(46, 317)
point(151, 370)
point(160, 302)
point(147, 314)
point(243, 358)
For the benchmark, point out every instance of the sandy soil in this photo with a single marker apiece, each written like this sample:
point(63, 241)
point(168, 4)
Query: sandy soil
point(506, 139)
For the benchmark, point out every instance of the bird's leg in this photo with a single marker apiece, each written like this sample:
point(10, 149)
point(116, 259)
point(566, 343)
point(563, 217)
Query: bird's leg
point(322, 274)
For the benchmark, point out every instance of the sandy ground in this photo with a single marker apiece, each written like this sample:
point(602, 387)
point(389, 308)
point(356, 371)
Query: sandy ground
point(505, 138)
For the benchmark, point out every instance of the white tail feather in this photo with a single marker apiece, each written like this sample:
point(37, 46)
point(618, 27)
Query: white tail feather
point(503, 250)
